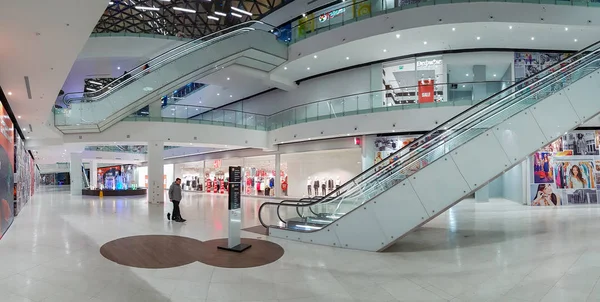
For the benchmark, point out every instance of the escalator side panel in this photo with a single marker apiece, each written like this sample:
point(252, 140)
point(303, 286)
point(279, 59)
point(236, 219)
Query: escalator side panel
point(397, 211)
point(325, 236)
point(519, 136)
point(480, 159)
point(582, 97)
point(438, 183)
point(355, 233)
point(555, 115)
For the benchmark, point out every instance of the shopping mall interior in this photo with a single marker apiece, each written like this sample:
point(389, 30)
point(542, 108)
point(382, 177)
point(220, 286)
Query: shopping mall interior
point(299, 151)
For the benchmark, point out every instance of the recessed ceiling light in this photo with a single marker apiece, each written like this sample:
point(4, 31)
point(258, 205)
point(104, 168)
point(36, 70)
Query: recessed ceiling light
point(315, 56)
point(464, 86)
point(24, 129)
point(19, 116)
point(478, 38)
point(285, 68)
point(218, 94)
point(575, 40)
point(425, 42)
point(453, 29)
point(230, 96)
point(566, 29)
point(27, 137)
point(118, 67)
point(347, 58)
point(494, 75)
point(532, 38)
point(227, 79)
point(303, 15)
point(385, 50)
point(467, 74)
point(9, 93)
point(307, 68)
point(510, 27)
point(397, 36)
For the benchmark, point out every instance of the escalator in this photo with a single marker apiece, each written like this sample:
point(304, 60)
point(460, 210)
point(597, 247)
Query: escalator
point(436, 171)
point(251, 44)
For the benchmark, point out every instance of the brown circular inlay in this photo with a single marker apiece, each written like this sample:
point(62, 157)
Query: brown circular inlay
point(152, 251)
point(262, 252)
point(165, 251)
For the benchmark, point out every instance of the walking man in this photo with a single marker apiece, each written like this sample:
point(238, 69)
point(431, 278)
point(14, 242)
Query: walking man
point(175, 197)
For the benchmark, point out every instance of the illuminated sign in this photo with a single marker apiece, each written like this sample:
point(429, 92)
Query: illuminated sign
point(332, 14)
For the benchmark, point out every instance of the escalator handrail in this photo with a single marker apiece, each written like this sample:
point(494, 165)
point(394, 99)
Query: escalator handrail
point(139, 68)
point(527, 85)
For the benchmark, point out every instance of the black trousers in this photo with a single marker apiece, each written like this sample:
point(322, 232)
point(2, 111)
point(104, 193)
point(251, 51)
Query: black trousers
point(176, 212)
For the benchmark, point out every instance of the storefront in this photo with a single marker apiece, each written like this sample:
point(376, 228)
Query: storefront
point(142, 176)
point(119, 177)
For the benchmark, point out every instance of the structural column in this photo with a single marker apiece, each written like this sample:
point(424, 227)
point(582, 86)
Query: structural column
point(76, 174)
point(155, 109)
point(156, 190)
point(94, 174)
point(278, 175)
point(483, 194)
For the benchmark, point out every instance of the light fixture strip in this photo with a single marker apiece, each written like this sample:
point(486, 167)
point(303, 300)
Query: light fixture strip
point(241, 11)
point(220, 14)
point(187, 10)
point(213, 18)
point(236, 15)
point(94, 82)
point(147, 8)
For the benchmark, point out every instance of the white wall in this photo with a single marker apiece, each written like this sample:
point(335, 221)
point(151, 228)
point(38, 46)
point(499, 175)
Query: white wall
point(329, 86)
point(345, 164)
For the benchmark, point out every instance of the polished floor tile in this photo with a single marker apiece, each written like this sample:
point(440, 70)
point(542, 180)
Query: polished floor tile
point(496, 251)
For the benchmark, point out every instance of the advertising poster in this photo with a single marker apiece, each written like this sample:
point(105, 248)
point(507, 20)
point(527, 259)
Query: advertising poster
point(7, 162)
point(529, 63)
point(426, 91)
point(567, 171)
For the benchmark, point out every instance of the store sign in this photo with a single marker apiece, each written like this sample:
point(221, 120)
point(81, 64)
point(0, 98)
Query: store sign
point(429, 63)
point(332, 14)
point(217, 164)
point(426, 93)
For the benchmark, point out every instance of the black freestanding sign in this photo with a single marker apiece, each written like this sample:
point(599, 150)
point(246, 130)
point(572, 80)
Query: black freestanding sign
point(234, 242)
point(235, 187)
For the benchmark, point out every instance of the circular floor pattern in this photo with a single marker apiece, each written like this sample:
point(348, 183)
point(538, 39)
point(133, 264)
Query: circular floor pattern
point(261, 253)
point(152, 251)
point(165, 251)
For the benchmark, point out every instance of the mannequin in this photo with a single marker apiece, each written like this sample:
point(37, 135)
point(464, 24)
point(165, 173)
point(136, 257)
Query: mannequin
point(323, 187)
point(330, 184)
point(309, 185)
point(338, 184)
point(284, 186)
point(316, 186)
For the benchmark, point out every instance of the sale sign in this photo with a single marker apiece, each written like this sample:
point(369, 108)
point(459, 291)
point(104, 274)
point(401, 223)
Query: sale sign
point(426, 92)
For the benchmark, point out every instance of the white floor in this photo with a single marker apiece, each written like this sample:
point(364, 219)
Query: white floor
point(498, 251)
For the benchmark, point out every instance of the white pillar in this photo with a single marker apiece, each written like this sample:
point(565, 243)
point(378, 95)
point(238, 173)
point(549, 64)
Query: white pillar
point(76, 174)
point(277, 175)
point(155, 109)
point(156, 191)
point(94, 174)
point(483, 194)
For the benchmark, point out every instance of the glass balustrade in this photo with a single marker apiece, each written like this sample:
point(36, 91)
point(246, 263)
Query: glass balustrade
point(401, 98)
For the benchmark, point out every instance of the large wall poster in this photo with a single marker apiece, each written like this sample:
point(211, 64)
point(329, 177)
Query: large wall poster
point(567, 171)
point(527, 64)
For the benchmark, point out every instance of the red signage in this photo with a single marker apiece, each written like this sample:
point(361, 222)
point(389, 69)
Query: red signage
point(426, 92)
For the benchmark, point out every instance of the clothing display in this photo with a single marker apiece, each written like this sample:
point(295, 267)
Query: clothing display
point(309, 187)
point(323, 189)
point(330, 184)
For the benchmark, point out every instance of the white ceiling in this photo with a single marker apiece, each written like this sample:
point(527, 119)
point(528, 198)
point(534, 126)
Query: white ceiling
point(41, 40)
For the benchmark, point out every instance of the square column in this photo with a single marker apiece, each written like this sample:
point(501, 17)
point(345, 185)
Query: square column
point(156, 190)
point(76, 174)
point(94, 174)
